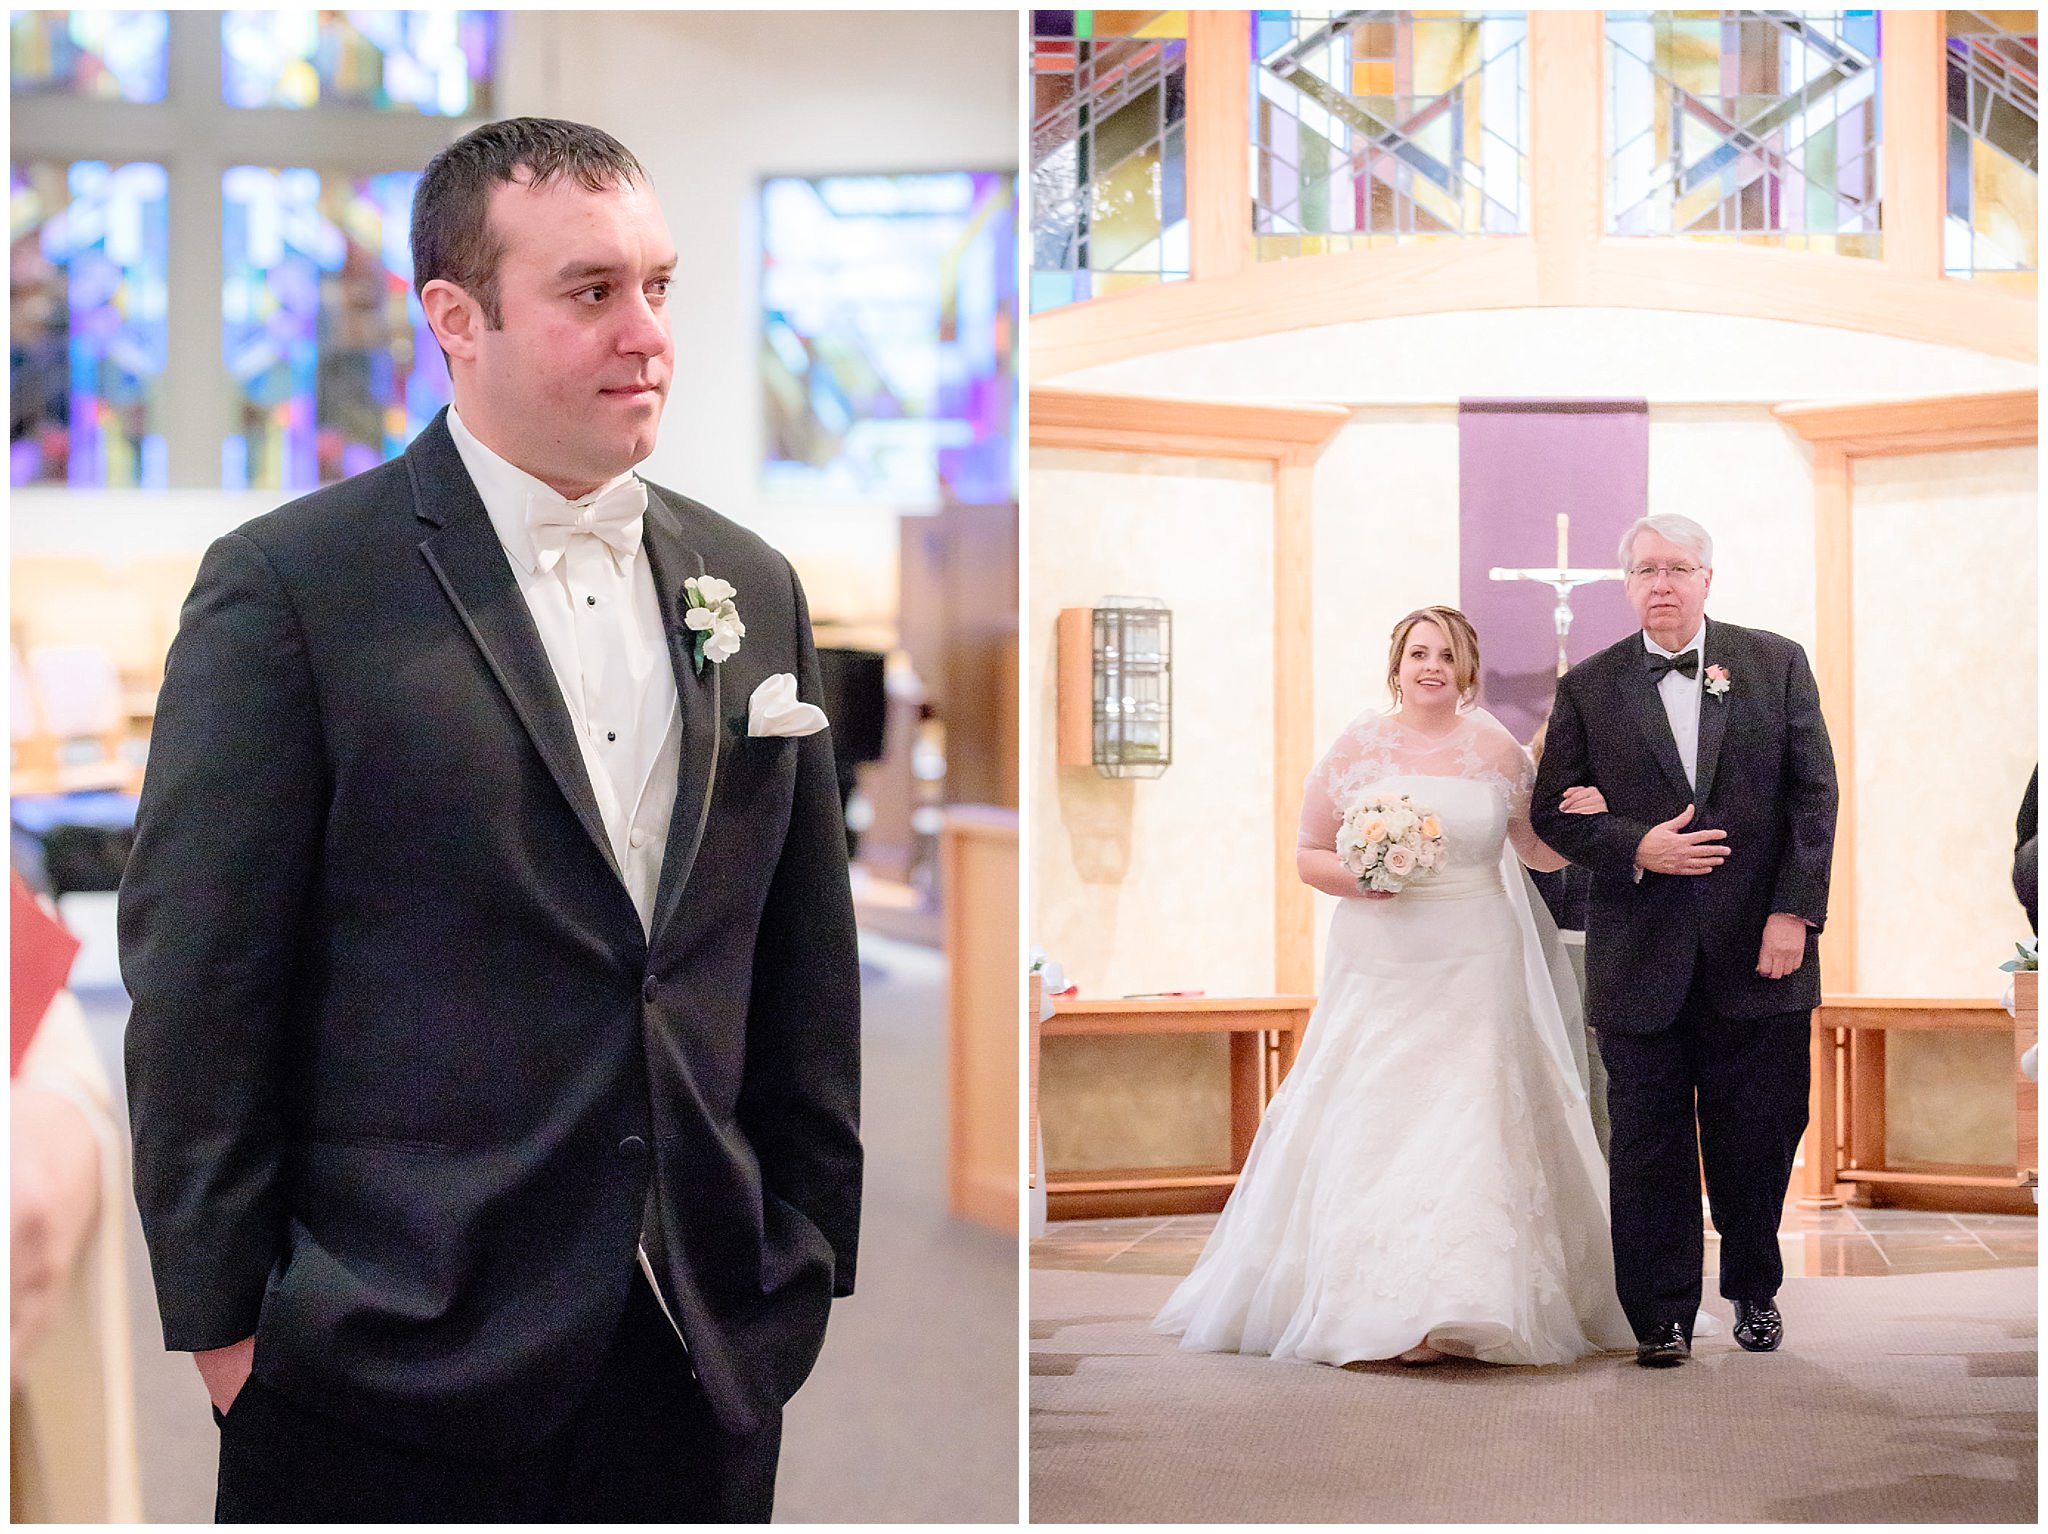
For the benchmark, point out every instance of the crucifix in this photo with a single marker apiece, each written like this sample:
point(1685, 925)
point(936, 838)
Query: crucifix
point(1561, 580)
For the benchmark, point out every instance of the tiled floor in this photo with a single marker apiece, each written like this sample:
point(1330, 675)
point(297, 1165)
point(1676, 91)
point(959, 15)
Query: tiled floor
point(1857, 1243)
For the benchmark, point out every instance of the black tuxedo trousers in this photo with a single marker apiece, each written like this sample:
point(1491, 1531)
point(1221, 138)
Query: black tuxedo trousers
point(643, 1447)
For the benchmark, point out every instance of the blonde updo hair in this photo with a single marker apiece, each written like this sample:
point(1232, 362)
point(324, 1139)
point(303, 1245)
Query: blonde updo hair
point(1464, 650)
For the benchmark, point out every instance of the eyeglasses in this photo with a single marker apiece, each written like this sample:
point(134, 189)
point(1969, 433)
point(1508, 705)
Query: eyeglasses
point(1676, 572)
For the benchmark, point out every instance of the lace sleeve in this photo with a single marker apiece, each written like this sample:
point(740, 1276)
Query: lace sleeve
point(1501, 760)
point(1361, 755)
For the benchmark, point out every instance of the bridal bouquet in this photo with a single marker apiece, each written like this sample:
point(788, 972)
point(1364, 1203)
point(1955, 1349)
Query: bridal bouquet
point(1388, 839)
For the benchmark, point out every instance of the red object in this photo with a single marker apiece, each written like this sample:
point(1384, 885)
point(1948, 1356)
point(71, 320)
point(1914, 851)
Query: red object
point(43, 951)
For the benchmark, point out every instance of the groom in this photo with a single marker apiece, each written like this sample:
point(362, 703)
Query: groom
point(495, 1045)
point(1710, 881)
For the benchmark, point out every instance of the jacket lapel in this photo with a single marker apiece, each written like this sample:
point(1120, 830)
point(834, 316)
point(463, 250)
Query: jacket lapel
point(673, 561)
point(470, 563)
point(1639, 690)
point(1713, 710)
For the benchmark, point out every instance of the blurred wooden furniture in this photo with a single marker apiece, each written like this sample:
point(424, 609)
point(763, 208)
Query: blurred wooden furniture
point(978, 883)
point(1845, 1139)
point(1265, 1034)
point(1034, 1004)
point(2026, 995)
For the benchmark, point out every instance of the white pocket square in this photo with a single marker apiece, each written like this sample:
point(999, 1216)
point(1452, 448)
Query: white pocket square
point(775, 709)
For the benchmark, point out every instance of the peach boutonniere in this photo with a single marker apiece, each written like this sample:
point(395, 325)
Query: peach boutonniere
point(1717, 680)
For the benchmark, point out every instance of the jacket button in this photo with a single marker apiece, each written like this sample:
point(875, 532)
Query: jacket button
point(632, 1145)
point(647, 990)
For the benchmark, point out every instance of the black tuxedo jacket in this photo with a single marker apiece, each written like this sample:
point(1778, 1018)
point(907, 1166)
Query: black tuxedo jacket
point(1766, 776)
point(403, 1066)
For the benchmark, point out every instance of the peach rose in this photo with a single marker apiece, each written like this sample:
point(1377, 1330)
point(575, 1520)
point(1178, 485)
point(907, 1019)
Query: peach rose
point(1432, 827)
point(1374, 830)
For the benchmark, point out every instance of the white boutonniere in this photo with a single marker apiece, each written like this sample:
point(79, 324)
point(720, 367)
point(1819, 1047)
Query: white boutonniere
point(1717, 680)
point(713, 619)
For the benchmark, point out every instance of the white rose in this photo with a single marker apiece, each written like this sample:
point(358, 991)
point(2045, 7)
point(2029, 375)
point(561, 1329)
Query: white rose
point(710, 588)
point(1399, 862)
point(726, 633)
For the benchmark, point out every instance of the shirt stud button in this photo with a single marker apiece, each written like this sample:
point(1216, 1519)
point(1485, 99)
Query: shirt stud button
point(592, 601)
point(610, 735)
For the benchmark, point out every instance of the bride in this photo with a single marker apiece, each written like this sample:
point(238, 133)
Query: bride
point(1426, 1181)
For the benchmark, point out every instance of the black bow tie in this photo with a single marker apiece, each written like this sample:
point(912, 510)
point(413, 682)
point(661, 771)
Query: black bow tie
point(1686, 665)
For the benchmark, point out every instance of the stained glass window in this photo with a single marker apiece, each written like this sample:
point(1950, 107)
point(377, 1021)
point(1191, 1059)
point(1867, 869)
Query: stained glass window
point(331, 364)
point(1377, 128)
point(1108, 153)
point(90, 243)
point(1755, 126)
point(1994, 123)
point(104, 55)
point(435, 62)
point(889, 337)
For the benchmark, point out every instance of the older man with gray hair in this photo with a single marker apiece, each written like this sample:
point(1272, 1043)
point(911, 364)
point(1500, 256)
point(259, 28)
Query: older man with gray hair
point(1710, 881)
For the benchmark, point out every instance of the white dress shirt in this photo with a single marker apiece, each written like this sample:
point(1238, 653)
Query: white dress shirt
point(1681, 697)
point(601, 627)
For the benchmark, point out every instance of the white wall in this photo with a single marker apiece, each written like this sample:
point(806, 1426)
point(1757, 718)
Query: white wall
point(1946, 713)
point(1165, 883)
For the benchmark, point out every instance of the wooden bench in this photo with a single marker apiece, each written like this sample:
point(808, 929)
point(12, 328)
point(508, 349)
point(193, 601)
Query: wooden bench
point(1845, 1141)
point(1265, 1035)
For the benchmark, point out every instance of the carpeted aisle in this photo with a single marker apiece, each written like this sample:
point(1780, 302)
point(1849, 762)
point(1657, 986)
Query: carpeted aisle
point(1899, 1399)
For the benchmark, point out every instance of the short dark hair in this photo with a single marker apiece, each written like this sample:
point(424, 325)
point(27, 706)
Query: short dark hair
point(452, 236)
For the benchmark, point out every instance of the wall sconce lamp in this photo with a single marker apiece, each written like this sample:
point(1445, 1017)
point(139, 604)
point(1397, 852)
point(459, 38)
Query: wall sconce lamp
point(1115, 687)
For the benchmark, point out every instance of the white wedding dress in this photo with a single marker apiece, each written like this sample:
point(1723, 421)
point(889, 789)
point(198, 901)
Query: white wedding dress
point(1429, 1165)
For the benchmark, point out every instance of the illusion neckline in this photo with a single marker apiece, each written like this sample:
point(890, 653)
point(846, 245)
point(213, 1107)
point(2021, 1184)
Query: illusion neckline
point(1457, 723)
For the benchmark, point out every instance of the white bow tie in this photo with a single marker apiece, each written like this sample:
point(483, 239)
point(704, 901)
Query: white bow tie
point(613, 517)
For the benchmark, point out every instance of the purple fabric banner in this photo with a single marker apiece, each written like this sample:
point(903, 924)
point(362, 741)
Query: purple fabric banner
point(1522, 464)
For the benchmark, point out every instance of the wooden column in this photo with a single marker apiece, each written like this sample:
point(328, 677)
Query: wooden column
point(1294, 912)
point(1915, 86)
point(1567, 150)
point(1834, 668)
point(1219, 142)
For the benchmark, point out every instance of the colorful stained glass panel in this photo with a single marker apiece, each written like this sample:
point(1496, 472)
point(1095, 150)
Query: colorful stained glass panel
point(1374, 128)
point(889, 308)
point(330, 359)
point(434, 62)
point(102, 55)
point(1994, 109)
point(90, 245)
point(1760, 127)
point(1108, 153)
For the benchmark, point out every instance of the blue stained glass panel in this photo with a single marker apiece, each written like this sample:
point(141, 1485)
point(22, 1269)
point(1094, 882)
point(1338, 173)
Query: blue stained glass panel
point(331, 361)
point(90, 244)
point(104, 55)
point(433, 62)
point(889, 338)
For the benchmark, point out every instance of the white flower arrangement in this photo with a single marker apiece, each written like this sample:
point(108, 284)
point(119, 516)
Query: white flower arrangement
point(713, 619)
point(1387, 839)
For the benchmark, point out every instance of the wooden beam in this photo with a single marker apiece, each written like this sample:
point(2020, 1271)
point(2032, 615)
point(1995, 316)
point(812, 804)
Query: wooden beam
point(1941, 423)
point(1219, 142)
point(1191, 427)
point(1567, 151)
point(1915, 150)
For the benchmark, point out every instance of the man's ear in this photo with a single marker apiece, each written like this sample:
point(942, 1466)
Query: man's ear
point(455, 317)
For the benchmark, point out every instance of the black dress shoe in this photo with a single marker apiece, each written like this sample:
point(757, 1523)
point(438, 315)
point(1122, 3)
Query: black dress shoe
point(1758, 1326)
point(1665, 1347)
